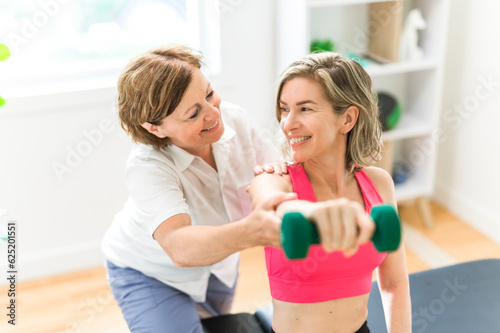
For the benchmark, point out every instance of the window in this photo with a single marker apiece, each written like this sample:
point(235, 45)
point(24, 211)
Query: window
point(58, 40)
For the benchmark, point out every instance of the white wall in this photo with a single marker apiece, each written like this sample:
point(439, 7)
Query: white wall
point(61, 220)
point(467, 179)
point(62, 215)
point(248, 67)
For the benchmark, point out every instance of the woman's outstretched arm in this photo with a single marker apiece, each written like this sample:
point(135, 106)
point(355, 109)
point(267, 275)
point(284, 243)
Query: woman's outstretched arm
point(199, 245)
point(392, 274)
point(342, 224)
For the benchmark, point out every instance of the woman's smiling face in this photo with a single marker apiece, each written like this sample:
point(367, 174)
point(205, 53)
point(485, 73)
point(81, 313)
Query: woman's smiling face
point(308, 120)
point(196, 122)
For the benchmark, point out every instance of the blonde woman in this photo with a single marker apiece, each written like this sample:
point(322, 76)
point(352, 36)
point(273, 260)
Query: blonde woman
point(329, 117)
point(172, 251)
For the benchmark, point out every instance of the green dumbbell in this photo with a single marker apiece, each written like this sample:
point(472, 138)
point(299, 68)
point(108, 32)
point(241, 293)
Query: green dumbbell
point(297, 233)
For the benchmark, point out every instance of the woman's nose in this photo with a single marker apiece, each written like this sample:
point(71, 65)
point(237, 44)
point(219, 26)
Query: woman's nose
point(213, 110)
point(290, 122)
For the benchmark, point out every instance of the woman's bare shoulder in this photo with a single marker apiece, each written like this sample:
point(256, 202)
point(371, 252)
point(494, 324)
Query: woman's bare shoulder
point(382, 181)
point(274, 181)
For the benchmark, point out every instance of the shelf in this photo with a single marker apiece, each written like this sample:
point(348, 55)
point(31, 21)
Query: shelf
point(375, 70)
point(326, 3)
point(409, 126)
point(415, 84)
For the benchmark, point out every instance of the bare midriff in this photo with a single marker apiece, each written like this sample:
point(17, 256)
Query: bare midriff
point(344, 315)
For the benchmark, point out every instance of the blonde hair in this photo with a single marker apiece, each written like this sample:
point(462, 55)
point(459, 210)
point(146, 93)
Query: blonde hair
point(151, 86)
point(345, 83)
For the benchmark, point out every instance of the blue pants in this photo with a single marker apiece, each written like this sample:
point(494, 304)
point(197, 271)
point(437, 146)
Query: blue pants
point(151, 306)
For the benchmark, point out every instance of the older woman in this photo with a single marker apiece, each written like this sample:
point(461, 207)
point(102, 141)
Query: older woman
point(329, 117)
point(172, 251)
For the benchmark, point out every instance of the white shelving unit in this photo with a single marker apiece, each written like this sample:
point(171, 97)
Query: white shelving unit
point(417, 85)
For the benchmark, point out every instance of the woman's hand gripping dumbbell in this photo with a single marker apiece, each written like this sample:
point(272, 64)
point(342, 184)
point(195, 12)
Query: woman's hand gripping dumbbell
point(298, 233)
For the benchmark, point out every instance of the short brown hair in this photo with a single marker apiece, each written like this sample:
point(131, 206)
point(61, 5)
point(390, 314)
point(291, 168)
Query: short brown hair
point(151, 86)
point(345, 83)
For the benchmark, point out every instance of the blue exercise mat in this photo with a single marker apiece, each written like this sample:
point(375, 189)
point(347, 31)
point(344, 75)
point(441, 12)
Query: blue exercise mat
point(462, 298)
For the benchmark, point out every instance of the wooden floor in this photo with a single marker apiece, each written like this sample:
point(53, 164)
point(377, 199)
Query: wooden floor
point(82, 302)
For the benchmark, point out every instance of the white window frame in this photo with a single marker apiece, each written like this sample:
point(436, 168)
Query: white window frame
point(103, 74)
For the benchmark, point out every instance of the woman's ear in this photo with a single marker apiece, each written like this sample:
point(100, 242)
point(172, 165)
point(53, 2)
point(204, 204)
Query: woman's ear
point(153, 129)
point(350, 117)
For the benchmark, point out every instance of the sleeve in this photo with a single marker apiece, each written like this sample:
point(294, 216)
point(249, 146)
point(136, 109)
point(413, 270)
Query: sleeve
point(156, 193)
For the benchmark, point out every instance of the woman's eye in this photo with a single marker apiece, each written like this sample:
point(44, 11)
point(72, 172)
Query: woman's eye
point(305, 109)
point(210, 95)
point(283, 110)
point(195, 114)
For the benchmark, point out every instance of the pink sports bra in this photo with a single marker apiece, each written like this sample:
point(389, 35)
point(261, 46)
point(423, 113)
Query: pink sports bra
point(323, 276)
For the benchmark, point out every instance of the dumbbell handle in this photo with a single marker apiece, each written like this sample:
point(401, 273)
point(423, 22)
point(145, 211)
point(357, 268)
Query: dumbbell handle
point(297, 233)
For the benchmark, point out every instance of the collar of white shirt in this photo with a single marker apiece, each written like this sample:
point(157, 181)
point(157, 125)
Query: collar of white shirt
point(183, 159)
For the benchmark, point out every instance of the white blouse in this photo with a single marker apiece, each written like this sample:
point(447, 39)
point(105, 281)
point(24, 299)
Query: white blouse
point(163, 183)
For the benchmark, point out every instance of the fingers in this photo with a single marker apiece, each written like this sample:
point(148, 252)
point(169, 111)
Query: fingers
point(284, 168)
point(269, 168)
point(350, 252)
point(264, 228)
point(322, 217)
point(257, 170)
point(337, 227)
point(277, 199)
point(327, 216)
point(266, 222)
point(278, 168)
point(273, 233)
point(366, 227)
point(342, 225)
point(342, 221)
point(358, 237)
point(349, 228)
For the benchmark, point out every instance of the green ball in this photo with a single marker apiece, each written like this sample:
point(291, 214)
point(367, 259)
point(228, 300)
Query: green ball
point(4, 52)
point(2, 101)
point(389, 110)
point(321, 45)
